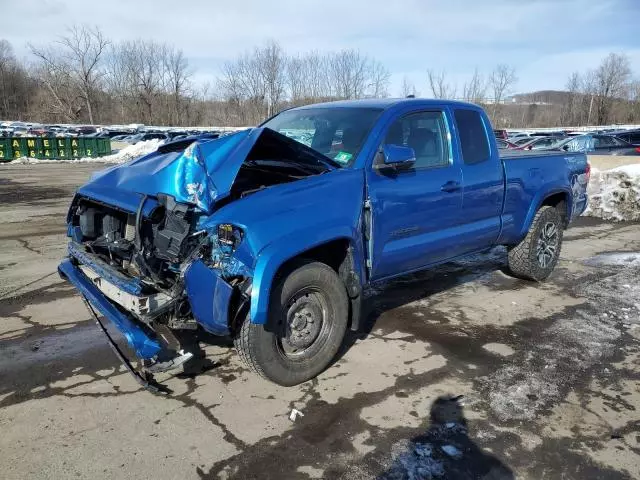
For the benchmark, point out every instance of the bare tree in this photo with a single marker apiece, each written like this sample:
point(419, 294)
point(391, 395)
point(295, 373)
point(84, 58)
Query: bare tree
point(501, 81)
point(62, 99)
point(16, 86)
point(440, 87)
point(379, 80)
point(271, 63)
point(74, 62)
point(349, 74)
point(178, 82)
point(475, 90)
point(570, 114)
point(296, 78)
point(407, 88)
point(612, 80)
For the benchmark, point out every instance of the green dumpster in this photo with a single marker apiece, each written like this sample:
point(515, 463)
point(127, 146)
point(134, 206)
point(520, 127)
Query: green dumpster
point(48, 148)
point(5, 150)
point(18, 147)
point(32, 147)
point(76, 150)
point(62, 148)
point(89, 146)
point(104, 146)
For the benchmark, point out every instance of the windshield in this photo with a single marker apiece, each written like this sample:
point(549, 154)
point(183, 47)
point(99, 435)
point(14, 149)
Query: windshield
point(337, 133)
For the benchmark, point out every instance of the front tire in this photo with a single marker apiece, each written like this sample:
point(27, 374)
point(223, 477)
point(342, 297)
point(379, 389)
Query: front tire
point(308, 315)
point(535, 257)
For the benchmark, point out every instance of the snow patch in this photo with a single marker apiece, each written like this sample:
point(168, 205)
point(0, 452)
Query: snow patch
point(122, 156)
point(615, 194)
point(616, 259)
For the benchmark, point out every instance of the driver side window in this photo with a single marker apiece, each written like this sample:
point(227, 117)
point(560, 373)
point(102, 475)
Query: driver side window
point(426, 134)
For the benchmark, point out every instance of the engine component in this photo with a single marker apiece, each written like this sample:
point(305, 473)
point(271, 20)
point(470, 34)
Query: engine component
point(130, 228)
point(89, 222)
point(171, 234)
point(111, 228)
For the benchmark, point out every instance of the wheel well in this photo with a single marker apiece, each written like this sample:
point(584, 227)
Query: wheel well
point(558, 201)
point(338, 255)
point(331, 253)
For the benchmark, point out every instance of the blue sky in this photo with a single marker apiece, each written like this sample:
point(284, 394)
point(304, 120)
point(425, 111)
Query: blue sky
point(545, 40)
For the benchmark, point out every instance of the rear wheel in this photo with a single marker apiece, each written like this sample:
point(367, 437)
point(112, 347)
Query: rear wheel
point(535, 257)
point(308, 316)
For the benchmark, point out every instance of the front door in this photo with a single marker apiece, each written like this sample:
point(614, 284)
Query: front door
point(415, 211)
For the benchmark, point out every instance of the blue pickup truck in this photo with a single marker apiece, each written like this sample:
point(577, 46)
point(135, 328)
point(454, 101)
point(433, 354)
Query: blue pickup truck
point(269, 235)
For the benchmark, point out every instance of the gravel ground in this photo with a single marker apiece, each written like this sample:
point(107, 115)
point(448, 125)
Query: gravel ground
point(459, 372)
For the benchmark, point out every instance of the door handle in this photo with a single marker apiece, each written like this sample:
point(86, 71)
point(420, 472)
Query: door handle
point(450, 186)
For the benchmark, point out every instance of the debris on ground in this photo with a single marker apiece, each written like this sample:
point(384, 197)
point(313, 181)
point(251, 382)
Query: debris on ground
point(295, 414)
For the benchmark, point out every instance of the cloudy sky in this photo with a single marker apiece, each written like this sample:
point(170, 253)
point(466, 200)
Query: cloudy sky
point(545, 40)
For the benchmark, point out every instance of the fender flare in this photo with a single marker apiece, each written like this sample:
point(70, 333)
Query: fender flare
point(538, 201)
point(273, 256)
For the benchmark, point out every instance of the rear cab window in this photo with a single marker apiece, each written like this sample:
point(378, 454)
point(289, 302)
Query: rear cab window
point(473, 136)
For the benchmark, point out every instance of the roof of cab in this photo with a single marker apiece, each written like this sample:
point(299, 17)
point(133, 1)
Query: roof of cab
point(384, 103)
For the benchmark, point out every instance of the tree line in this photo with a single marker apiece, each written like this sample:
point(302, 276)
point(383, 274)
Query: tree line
point(84, 77)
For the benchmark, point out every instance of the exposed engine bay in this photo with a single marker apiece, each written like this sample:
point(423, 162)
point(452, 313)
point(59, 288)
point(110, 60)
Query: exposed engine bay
point(155, 245)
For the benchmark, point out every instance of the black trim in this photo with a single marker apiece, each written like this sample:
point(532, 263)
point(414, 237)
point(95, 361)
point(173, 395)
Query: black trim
point(143, 377)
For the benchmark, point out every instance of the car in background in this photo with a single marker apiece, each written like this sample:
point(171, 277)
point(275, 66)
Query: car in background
point(111, 133)
point(597, 145)
point(505, 145)
point(502, 134)
point(548, 134)
point(120, 138)
point(145, 136)
point(521, 140)
point(20, 132)
point(177, 133)
point(630, 136)
point(540, 143)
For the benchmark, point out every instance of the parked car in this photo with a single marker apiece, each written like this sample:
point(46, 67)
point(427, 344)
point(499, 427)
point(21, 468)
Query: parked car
point(502, 134)
point(547, 134)
point(522, 140)
point(143, 137)
point(505, 145)
point(262, 238)
point(112, 133)
point(597, 145)
point(630, 136)
point(540, 143)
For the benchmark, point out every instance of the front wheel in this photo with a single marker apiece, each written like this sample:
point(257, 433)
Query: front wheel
point(535, 257)
point(308, 314)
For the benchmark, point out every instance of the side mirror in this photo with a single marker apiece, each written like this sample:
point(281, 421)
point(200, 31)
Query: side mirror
point(566, 148)
point(398, 156)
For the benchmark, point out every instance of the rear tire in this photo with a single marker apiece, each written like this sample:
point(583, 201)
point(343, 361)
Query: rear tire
point(535, 257)
point(308, 315)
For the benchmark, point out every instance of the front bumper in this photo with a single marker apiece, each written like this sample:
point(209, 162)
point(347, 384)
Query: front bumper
point(208, 294)
point(141, 339)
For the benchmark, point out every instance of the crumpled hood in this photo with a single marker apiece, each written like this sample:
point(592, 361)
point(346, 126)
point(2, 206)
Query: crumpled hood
point(200, 174)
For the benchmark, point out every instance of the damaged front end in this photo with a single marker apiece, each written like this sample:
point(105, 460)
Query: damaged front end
point(156, 276)
point(145, 253)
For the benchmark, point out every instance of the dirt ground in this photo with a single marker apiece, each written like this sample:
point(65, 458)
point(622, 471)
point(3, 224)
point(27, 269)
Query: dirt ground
point(459, 372)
